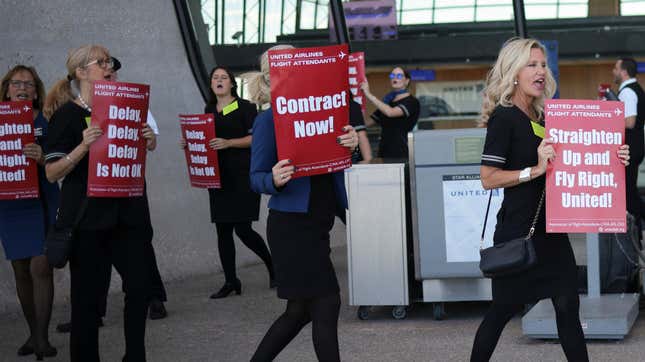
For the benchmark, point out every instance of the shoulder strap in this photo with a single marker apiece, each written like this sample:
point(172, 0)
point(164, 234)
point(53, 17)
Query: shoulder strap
point(481, 241)
point(531, 230)
point(537, 214)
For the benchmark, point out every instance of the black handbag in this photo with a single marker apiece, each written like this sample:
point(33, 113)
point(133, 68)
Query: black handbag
point(58, 244)
point(509, 257)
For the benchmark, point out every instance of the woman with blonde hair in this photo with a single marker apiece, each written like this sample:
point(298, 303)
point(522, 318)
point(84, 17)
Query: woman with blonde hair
point(301, 214)
point(115, 229)
point(24, 223)
point(515, 157)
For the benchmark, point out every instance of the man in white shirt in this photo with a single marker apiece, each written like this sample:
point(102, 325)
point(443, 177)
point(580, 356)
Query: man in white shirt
point(632, 95)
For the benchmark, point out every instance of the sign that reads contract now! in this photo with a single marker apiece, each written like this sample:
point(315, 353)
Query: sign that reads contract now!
point(118, 158)
point(585, 184)
point(18, 174)
point(310, 104)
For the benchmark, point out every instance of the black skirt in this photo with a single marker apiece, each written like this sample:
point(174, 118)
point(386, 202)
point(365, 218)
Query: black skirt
point(300, 250)
point(235, 201)
point(233, 205)
point(554, 275)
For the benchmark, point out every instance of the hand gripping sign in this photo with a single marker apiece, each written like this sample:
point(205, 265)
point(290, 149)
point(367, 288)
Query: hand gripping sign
point(203, 167)
point(118, 158)
point(18, 174)
point(585, 184)
point(310, 103)
point(356, 77)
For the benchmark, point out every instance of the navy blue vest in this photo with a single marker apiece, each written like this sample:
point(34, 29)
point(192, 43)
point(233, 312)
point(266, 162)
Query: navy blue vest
point(635, 137)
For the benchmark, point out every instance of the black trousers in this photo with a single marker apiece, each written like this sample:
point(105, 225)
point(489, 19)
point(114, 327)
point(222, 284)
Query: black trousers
point(631, 190)
point(125, 246)
point(157, 289)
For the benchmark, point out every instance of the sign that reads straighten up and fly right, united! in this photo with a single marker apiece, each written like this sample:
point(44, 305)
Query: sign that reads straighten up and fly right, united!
point(585, 184)
point(18, 173)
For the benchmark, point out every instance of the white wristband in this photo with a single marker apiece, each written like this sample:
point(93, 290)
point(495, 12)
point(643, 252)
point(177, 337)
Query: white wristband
point(525, 175)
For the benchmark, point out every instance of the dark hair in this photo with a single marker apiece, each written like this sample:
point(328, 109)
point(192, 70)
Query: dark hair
point(628, 65)
point(406, 73)
point(40, 87)
point(212, 99)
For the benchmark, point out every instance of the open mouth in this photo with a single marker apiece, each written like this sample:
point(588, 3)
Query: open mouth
point(219, 86)
point(23, 96)
point(539, 83)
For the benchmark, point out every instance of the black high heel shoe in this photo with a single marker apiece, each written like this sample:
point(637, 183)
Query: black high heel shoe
point(227, 289)
point(49, 351)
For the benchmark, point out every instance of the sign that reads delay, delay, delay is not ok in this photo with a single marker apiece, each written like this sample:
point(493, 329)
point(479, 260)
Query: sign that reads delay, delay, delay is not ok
point(118, 157)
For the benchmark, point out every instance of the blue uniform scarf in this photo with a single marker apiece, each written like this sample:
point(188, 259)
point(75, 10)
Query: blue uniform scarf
point(390, 96)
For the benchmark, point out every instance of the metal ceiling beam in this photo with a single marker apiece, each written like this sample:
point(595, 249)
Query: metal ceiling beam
point(519, 19)
point(462, 49)
point(195, 36)
point(340, 26)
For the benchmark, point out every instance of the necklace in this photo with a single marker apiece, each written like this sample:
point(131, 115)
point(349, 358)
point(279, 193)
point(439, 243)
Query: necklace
point(87, 108)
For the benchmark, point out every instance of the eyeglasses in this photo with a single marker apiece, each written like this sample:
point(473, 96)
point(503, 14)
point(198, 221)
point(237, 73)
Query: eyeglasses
point(102, 63)
point(396, 75)
point(22, 84)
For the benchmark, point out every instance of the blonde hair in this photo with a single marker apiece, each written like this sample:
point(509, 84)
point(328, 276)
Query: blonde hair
point(259, 84)
point(499, 90)
point(61, 92)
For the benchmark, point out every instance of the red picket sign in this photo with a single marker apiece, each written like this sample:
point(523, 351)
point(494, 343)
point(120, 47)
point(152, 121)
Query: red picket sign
point(357, 76)
point(585, 184)
point(203, 166)
point(118, 158)
point(18, 174)
point(310, 103)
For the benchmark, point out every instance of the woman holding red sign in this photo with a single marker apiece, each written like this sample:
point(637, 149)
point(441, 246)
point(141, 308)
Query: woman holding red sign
point(397, 114)
point(301, 214)
point(108, 228)
point(234, 206)
point(515, 158)
point(24, 223)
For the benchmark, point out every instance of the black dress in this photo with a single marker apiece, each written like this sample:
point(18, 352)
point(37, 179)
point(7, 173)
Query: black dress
point(234, 201)
point(299, 244)
point(65, 133)
point(394, 131)
point(512, 145)
point(117, 229)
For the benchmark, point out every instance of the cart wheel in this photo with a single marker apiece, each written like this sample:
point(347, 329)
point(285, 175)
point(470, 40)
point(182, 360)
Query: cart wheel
point(399, 312)
point(438, 311)
point(363, 312)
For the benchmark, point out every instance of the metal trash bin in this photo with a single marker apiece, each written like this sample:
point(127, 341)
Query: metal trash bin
point(377, 238)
